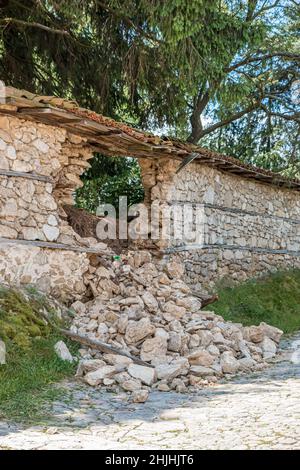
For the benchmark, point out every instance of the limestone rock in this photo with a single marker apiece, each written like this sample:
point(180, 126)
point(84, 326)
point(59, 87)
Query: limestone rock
point(163, 387)
point(164, 279)
point(161, 332)
point(52, 220)
point(108, 381)
point(229, 363)
point(31, 233)
point(102, 331)
point(140, 396)
point(8, 232)
point(63, 352)
point(153, 348)
point(213, 350)
point(194, 341)
point(122, 377)
point(51, 232)
point(79, 307)
point(174, 343)
point(41, 145)
point(2, 353)
point(117, 360)
point(145, 309)
point(122, 323)
point(11, 152)
point(271, 332)
point(172, 311)
point(243, 348)
point(192, 304)
point(103, 272)
point(150, 301)
point(138, 330)
point(178, 385)
point(218, 338)
point(246, 363)
point(89, 365)
point(268, 347)
point(175, 270)
point(130, 301)
point(170, 371)
point(92, 325)
point(194, 380)
point(131, 385)
point(201, 371)
point(94, 378)
point(201, 358)
point(175, 325)
point(254, 334)
point(206, 337)
point(141, 257)
point(146, 375)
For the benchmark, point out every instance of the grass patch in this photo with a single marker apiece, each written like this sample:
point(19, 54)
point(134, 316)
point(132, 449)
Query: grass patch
point(274, 299)
point(32, 365)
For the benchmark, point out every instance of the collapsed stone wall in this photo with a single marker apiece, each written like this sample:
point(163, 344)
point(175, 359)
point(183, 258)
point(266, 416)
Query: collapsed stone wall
point(247, 227)
point(143, 308)
point(40, 167)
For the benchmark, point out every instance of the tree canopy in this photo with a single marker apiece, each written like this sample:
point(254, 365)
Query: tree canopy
point(222, 73)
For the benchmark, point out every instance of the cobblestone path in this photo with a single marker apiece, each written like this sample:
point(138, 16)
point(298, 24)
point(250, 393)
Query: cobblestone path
point(258, 411)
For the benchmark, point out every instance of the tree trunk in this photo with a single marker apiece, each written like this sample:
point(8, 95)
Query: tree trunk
point(200, 103)
point(103, 347)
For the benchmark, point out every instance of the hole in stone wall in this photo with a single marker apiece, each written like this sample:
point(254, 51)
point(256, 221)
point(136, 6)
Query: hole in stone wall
point(104, 182)
point(107, 179)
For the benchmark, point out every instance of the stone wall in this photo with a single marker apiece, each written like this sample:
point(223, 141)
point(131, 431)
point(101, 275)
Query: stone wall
point(57, 272)
point(247, 227)
point(50, 161)
point(40, 167)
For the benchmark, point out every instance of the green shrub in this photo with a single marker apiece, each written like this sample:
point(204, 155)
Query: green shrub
point(274, 299)
point(32, 364)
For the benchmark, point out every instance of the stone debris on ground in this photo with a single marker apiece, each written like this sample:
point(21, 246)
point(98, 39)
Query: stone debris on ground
point(63, 352)
point(142, 306)
point(2, 352)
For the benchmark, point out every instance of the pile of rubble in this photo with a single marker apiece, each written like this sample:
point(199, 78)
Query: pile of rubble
point(143, 307)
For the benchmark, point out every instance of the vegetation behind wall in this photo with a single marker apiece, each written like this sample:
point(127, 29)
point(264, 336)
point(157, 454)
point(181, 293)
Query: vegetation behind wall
point(274, 299)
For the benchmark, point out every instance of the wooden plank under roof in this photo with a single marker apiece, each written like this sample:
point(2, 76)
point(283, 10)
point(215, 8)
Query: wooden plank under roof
point(48, 113)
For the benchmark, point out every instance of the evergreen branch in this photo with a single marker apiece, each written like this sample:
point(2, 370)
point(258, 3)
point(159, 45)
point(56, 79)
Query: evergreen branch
point(265, 8)
point(34, 25)
point(230, 119)
point(128, 21)
point(249, 60)
point(252, 4)
point(288, 117)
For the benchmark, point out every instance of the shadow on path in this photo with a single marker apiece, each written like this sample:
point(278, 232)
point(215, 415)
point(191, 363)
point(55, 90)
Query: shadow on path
point(242, 412)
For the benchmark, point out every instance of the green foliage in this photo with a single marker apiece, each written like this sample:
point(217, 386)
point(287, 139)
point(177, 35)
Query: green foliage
point(32, 364)
point(273, 146)
point(26, 382)
point(182, 66)
point(274, 299)
point(107, 179)
point(21, 317)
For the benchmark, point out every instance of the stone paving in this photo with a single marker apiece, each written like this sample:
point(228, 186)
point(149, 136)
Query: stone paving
point(258, 411)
